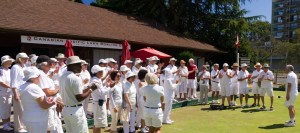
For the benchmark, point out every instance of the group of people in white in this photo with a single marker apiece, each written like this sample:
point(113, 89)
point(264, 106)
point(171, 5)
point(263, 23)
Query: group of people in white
point(45, 90)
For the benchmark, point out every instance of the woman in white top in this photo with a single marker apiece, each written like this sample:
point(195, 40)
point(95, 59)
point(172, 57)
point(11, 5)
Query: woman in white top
point(86, 77)
point(16, 78)
point(5, 92)
point(154, 103)
point(183, 73)
point(130, 99)
point(123, 69)
point(35, 103)
point(99, 99)
point(116, 99)
point(49, 88)
point(140, 100)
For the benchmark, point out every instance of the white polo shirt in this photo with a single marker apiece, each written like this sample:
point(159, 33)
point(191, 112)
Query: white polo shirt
point(4, 78)
point(153, 94)
point(70, 85)
point(256, 73)
point(16, 76)
point(205, 75)
point(183, 71)
point(293, 80)
point(214, 73)
point(266, 83)
point(225, 79)
point(116, 95)
point(172, 69)
point(235, 74)
point(29, 92)
point(47, 83)
point(129, 88)
point(85, 75)
point(101, 92)
point(152, 68)
point(242, 74)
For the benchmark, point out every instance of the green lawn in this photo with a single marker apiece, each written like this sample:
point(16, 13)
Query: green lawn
point(199, 119)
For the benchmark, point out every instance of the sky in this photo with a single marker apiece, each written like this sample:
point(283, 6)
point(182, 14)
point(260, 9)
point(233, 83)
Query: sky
point(255, 7)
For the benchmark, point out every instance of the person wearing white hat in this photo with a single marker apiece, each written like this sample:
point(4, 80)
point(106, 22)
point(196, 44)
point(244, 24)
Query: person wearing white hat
point(73, 94)
point(174, 76)
point(5, 92)
point(243, 77)
point(16, 78)
point(193, 70)
point(204, 77)
point(61, 63)
point(256, 84)
point(154, 103)
point(99, 99)
point(29, 62)
point(33, 60)
point(54, 71)
point(137, 65)
point(102, 63)
point(153, 67)
point(35, 102)
point(215, 83)
point(140, 100)
point(106, 72)
point(183, 73)
point(225, 82)
point(112, 63)
point(266, 77)
point(130, 100)
point(234, 84)
point(116, 99)
point(169, 90)
point(86, 78)
point(124, 70)
point(128, 63)
point(291, 89)
point(51, 90)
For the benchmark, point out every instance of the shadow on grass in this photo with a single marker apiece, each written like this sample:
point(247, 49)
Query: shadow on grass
point(228, 109)
point(251, 110)
point(274, 126)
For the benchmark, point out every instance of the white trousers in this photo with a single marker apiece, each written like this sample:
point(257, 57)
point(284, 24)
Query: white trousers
point(54, 123)
point(203, 93)
point(18, 109)
point(130, 126)
point(140, 111)
point(75, 120)
point(114, 118)
point(85, 104)
point(168, 108)
point(36, 127)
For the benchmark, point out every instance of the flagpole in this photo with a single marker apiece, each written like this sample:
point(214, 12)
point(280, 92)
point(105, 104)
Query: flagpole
point(237, 45)
point(237, 56)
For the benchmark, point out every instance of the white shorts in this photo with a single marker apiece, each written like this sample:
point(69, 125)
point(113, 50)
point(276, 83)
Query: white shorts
point(268, 90)
point(100, 115)
point(234, 89)
point(291, 101)
point(191, 84)
point(255, 88)
point(225, 90)
point(153, 117)
point(183, 85)
point(244, 90)
point(215, 86)
point(5, 106)
point(36, 127)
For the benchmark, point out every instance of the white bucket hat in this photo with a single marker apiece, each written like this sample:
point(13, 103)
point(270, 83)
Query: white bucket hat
point(53, 60)
point(138, 61)
point(33, 59)
point(152, 58)
point(73, 60)
point(244, 65)
point(102, 61)
point(258, 65)
point(60, 56)
point(129, 74)
point(156, 58)
point(111, 60)
point(97, 68)
point(83, 62)
point(31, 72)
point(124, 68)
point(127, 61)
point(6, 58)
point(22, 55)
point(225, 65)
point(173, 59)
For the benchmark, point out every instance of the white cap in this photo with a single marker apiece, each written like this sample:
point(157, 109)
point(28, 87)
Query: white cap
point(111, 60)
point(173, 59)
point(60, 56)
point(33, 59)
point(83, 62)
point(191, 60)
point(97, 68)
point(225, 65)
point(31, 72)
point(21, 55)
point(6, 58)
point(138, 61)
point(53, 60)
point(73, 60)
point(102, 61)
point(129, 74)
point(124, 68)
point(127, 61)
point(156, 58)
point(152, 58)
point(244, 65)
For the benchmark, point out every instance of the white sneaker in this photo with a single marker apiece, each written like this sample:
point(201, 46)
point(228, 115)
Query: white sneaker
point(22, 131)
point(6, 127)
point(290, 124)
point(143, 130)
point(241, 106)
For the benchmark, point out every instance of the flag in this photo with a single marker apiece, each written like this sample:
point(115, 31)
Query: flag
point(125, 52)
point(237, 43)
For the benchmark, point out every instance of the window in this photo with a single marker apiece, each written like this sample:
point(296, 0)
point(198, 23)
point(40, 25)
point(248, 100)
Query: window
point(293, 25)
point(279, 19)
point(280, 12)
point(278, 34)
point(279, 27)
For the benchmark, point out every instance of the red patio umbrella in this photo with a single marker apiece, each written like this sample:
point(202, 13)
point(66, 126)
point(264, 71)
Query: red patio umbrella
point(125, 52)
point(69, 50)
point(149, 52)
